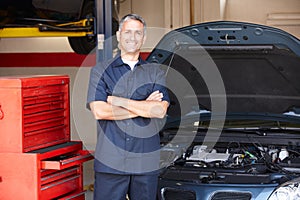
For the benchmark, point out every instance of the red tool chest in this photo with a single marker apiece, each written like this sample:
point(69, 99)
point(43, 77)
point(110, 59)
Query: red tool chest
point(38, 159)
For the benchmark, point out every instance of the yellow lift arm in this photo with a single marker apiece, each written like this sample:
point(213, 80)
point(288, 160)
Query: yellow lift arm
point(73, 29)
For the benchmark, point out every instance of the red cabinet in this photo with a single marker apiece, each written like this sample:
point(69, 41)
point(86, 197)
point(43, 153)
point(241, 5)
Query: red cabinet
point(38, 159)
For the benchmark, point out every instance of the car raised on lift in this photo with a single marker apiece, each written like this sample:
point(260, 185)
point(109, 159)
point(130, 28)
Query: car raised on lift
point(74, 19)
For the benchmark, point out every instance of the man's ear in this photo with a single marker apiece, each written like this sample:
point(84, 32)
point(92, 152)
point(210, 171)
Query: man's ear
point(118, 36)
point(144, 39)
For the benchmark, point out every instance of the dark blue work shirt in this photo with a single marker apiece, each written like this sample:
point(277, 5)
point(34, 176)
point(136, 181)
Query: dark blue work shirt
point(128, 146)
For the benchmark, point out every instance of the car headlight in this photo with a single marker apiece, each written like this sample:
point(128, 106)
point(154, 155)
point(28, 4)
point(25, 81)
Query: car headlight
point(287, 191)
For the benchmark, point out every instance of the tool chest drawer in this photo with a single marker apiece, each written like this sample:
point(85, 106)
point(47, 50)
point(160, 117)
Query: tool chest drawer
point(65, 161)
point(35, 112)
point(74, 196)
point(61, 182)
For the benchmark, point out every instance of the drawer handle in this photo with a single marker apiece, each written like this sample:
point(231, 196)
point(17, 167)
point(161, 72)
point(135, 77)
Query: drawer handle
point(60, 182)
point(1, 113)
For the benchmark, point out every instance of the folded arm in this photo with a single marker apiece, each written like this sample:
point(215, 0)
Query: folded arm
point(118, 108)
point(152, 107)
point(104, 110)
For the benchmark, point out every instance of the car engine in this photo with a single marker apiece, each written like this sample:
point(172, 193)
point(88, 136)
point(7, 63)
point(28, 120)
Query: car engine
point(254, 163)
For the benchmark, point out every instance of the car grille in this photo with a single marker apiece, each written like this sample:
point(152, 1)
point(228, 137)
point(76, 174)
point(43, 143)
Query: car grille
point(178, 194)
point(231, 195)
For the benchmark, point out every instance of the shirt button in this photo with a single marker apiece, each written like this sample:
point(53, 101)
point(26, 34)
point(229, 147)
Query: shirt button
point(127, 139)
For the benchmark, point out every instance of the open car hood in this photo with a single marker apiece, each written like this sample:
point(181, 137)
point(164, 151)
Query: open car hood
point(242, 67)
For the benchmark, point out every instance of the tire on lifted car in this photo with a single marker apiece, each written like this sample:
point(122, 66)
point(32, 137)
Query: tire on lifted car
point(85, 45)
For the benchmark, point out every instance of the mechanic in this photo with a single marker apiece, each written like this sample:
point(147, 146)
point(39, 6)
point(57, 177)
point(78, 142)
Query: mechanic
point(129, 99)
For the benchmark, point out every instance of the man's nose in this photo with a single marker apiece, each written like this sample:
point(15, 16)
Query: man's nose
point(132, 36)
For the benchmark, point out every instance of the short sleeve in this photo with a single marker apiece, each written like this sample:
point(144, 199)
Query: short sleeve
point(97, 86)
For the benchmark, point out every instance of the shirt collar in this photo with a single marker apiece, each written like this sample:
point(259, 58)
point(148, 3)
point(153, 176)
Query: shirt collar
point(117, 62)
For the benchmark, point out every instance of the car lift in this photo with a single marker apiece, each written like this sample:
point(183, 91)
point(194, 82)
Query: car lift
point(85, 27)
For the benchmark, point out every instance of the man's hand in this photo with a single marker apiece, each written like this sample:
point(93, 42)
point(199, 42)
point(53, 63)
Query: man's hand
point(119, 101)
point(155, 96)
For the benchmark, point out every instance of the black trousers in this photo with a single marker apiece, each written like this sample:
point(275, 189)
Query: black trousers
point(115, 186)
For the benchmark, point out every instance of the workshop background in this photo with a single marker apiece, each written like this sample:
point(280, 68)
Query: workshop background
point(53, 55)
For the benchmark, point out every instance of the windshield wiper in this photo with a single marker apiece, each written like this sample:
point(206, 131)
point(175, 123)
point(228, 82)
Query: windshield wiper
point(260, 132)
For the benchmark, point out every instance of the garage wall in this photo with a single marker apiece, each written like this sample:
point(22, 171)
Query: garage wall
point(258, 10)
point(48, 44)
point(281, 14)
point(151, 10)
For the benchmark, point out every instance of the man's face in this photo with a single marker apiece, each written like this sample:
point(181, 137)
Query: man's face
point(131, 37)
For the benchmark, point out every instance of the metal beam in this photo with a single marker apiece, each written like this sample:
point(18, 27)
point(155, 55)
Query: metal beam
point(104, 29)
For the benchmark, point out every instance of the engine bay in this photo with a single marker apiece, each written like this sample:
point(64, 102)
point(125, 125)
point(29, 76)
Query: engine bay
point(237, 156)
point(234, 163)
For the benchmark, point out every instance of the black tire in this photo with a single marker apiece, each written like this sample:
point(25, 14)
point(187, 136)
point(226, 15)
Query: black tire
point(87, 44)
